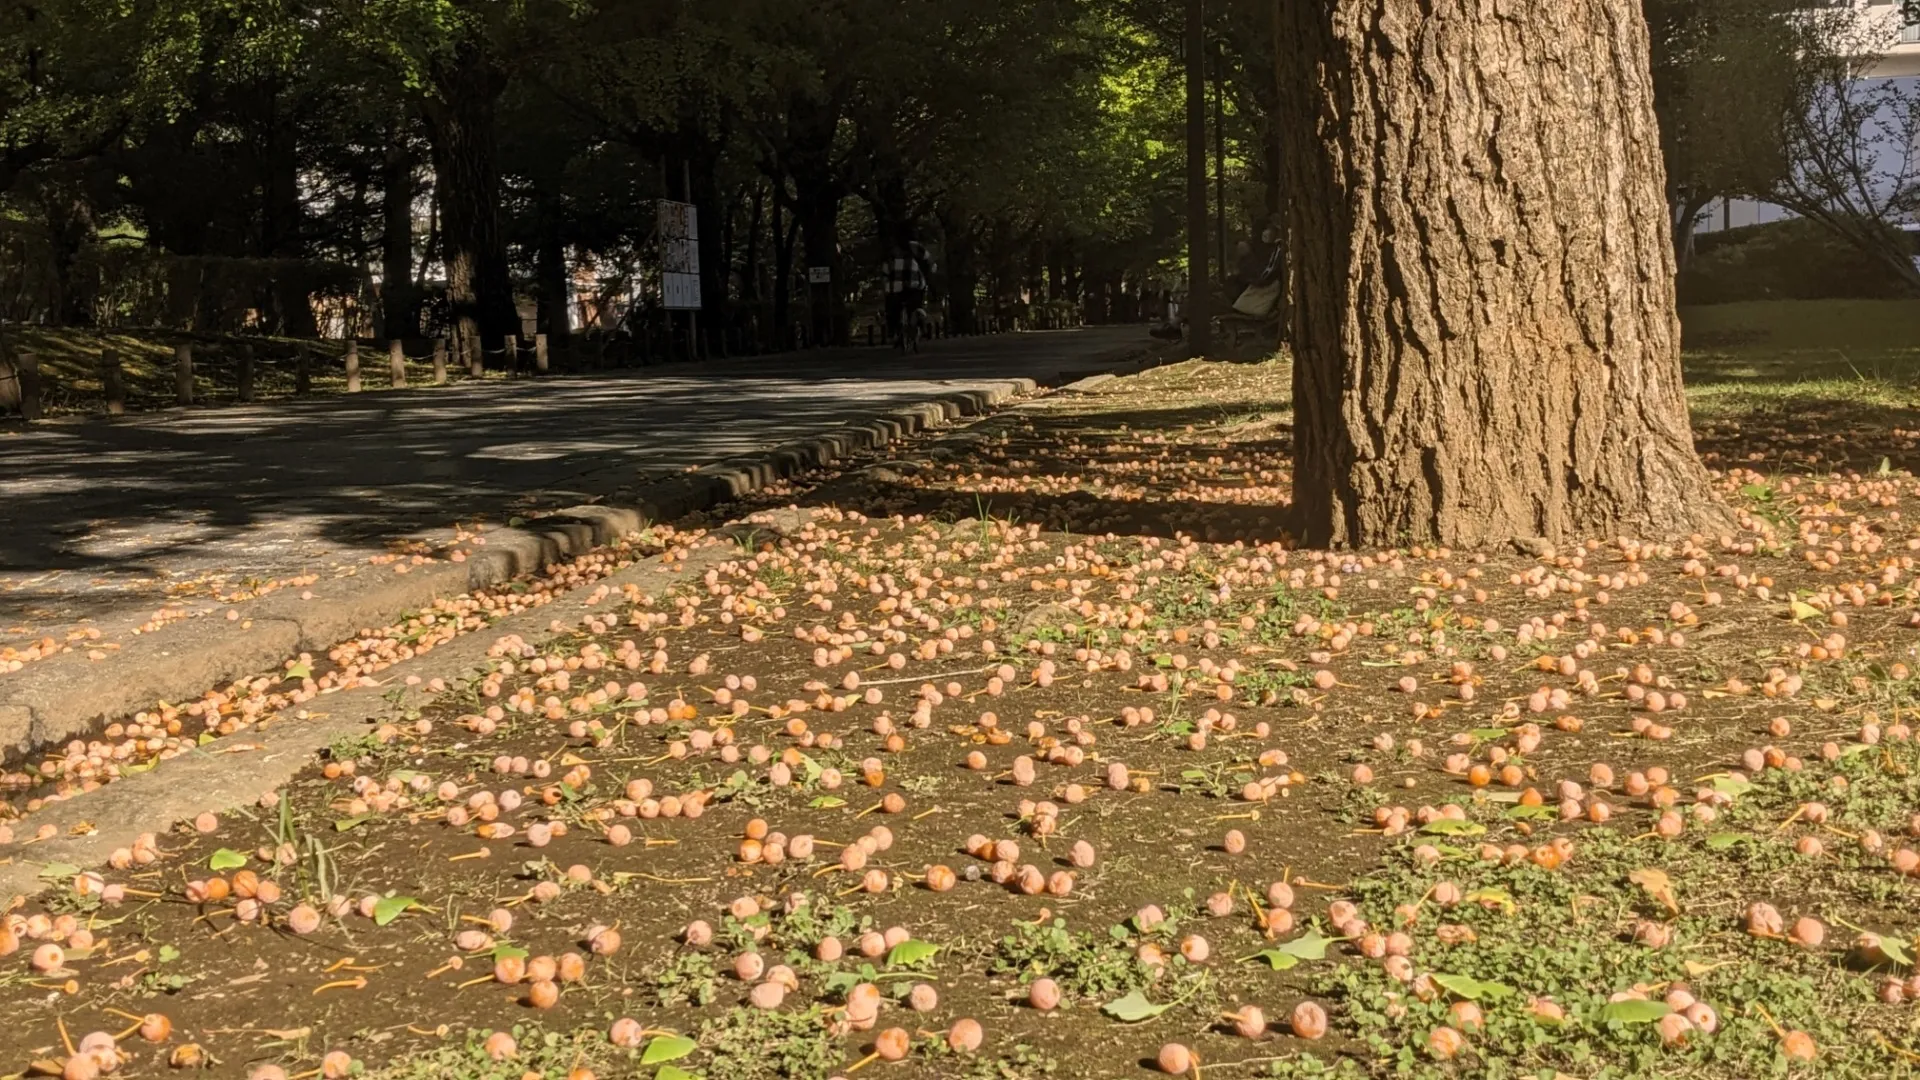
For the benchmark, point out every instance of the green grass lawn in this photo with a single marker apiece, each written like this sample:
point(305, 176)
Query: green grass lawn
point(1851, 362)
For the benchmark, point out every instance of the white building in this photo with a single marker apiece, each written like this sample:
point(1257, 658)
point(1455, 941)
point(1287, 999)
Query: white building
point(1898, 51)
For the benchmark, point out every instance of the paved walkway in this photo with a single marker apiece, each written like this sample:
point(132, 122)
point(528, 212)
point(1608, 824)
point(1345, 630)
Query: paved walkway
point(101, 524)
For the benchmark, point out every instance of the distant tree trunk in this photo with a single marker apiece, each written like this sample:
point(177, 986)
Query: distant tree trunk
point(817, 193)
point(750, 261)
point(285, 232)
point(783, 243)
point(1486, 346)
point(398, 308)
point(1685, 220)
point(460, 119)
point(70, 228)
point(555, 318)
point(713, 258)
point(961, 274)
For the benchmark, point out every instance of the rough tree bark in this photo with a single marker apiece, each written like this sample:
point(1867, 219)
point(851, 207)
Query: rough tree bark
point(1485, 340)
point(460, 121)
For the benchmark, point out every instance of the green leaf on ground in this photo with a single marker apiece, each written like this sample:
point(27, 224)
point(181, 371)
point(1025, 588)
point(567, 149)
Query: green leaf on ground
point(1634, 1011)
point(226, 859)
point(1311, 945)
point(910, 952)
point(1275, 959)
point(1721, 841)
point(1500, 898)
point(349, 824)
point(1471, 989)
point(1896, 951)
point(674, 1072)
point(1133, 1008)
point(828, 802)
point(1732, 787)
point(389, 908)
point(300, 671)
point(667, 1048)
point(1453, 827)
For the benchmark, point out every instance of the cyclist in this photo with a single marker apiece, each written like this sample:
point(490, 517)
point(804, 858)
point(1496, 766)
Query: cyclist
point(909, 268)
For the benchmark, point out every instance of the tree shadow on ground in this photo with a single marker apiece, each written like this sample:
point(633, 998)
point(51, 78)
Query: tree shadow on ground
point(1223, 472)
point(1801, 433)
point(1092, 474)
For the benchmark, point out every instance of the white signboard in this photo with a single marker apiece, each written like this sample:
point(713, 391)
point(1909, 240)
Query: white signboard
point(680, 255)
point(820, 275)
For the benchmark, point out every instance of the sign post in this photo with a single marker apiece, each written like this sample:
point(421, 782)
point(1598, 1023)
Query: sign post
point(680, 264)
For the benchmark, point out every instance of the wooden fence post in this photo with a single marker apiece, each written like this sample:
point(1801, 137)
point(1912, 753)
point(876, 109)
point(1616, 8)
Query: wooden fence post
point(439, 361)
point(114, 381)
point(397, 363)
point(539, 354)
point(183, 373)
point(9, 383)
point(511, 343)
point(476, 356)
point(246, 373)
point(302, 368)
point(31, 407)
point(353, 365)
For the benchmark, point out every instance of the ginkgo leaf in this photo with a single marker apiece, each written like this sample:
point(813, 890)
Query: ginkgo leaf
point(674, 1072)
point(1133, 1008)
point(667, 1048)
point(226, 859)
point(1470, 988)
point(1657, 885)
point(1275, 959)
point(910, 952)
point(1453, 827)
point(1311, 945)
point(1635, 1011)
point(1500, 898)
point(389, 908)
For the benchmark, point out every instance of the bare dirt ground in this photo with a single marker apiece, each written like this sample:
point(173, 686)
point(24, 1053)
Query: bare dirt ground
point(1036, 750)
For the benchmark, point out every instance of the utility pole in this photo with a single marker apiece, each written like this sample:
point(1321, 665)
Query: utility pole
point(1199, 281)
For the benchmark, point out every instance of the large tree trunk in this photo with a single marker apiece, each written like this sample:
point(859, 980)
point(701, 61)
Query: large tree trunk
point(1485, 340)
point(460, 120)
point(397, 307)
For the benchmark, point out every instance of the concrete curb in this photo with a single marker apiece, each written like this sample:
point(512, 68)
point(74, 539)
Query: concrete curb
point(237, 771)
point(68, 695)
